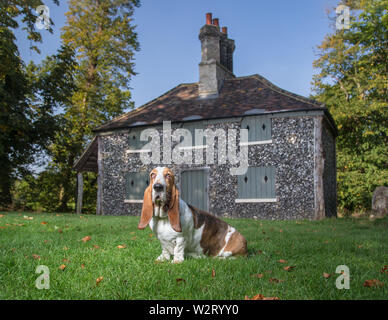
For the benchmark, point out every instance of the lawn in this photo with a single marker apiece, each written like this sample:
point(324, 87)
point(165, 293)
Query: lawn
point(78, 250)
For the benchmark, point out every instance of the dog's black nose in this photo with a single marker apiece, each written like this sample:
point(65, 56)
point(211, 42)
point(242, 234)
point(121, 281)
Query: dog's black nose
point(158, 187)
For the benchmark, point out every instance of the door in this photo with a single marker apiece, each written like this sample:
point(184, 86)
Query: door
point(194, 188)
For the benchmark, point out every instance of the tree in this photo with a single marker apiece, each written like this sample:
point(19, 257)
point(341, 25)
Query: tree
point(104, 40)
point(21, 130)
point(352, 82)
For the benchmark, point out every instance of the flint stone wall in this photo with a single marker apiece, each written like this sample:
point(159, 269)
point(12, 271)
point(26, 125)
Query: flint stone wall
point(291, 153)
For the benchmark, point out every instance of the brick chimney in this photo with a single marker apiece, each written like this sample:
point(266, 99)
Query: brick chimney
point(217, 58)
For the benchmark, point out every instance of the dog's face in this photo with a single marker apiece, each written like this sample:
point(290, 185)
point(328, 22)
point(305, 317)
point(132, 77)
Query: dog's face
point(163, 194)
point(162, 182)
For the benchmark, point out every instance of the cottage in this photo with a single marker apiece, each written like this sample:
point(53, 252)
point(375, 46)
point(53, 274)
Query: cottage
point(291, 153)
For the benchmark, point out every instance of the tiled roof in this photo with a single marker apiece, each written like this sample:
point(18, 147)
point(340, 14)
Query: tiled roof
point(238, 97)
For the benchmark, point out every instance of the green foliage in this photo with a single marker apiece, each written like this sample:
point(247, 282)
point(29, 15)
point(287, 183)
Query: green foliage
point(44, 192)
point(352, 82)
point(92, 73)
point(25, 126)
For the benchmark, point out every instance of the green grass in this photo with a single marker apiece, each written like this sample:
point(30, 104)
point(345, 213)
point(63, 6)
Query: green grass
point(313, 247)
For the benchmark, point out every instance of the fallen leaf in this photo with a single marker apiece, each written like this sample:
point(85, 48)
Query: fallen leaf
point(36, 257)
point(282, 261)
point(96, 246)
point(43, 222)
point(289, 268)
point(326, 275)
point(258, 297)
point(259, 251)
point(274, 280)
point(98, 280)
point(82, 266)
point(373, 283)
point(121, 246)
point(87, 238)
point(213, 273)
point(2, 227)
point(65, 260)
point(1, 215)
point(65, 248)
point(261, 297)
point(384, 269)
point(133, 238)
point(60, 231)
point(281, 230)
point(180, 280)
point(257, 275)
point(62, 267)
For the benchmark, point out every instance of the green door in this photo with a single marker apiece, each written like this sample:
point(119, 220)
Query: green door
point(194, 188)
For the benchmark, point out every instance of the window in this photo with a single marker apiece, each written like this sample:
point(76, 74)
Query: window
point(259, 129)
point(257, 185)
point(135, 184)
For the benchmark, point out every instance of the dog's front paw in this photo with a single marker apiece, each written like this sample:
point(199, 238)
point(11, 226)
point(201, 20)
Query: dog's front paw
point(162, 257)
point(178, 260)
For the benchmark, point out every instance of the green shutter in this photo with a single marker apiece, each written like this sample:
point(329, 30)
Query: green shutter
point(257, 183)
point(194, 188)
point(134, 140)
point(259, 128)
point(191, 127)
point(135, 184)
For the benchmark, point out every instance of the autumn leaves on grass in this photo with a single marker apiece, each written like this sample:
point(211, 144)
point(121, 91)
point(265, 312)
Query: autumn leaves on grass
point(86, 239)
point(271, 280)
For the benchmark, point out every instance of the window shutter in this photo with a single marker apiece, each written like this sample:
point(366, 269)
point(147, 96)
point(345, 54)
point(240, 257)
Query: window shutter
point(257, 183)
point(259, 128)
point(134, 140)
point(135, 184)
point(191, 127)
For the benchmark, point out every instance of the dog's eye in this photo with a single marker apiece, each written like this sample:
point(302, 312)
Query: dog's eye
point(153, 175)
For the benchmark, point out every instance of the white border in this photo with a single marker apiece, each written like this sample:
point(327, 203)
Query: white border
point(256, 200)
point(253, 143)
point(133, 201)
point(138, 151)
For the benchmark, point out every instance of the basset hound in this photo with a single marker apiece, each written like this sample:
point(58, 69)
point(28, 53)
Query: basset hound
point(181, 228)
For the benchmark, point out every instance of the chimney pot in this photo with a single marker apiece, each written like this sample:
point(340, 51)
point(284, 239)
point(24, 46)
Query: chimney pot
point(209, 18)
point(225, 30)
point(216, 22)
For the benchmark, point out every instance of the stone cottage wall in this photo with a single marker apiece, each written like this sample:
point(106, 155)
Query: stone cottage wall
point(291, 153)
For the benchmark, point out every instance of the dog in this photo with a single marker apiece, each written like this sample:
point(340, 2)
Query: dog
point(182, 229)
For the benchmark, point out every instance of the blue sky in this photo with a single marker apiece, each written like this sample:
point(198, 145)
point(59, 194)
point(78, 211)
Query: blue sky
point(274, 38)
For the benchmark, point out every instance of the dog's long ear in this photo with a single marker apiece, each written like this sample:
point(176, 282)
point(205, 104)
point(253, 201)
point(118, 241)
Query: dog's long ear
point(148, 208)
point(173, 210)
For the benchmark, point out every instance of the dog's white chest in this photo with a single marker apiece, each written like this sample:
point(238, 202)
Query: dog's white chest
point(163, 230)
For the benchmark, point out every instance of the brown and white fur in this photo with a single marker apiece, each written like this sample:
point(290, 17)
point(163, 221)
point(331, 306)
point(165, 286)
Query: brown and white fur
point(181, 228)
